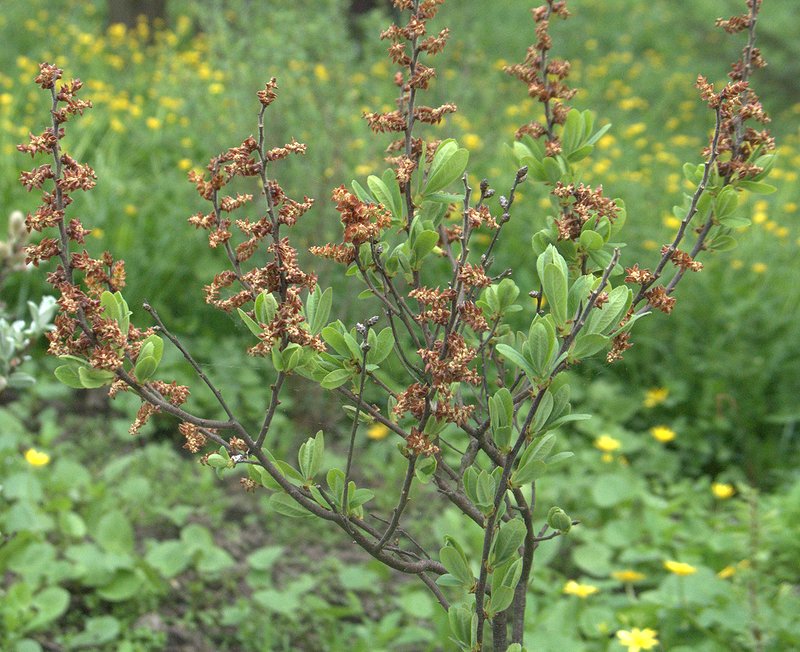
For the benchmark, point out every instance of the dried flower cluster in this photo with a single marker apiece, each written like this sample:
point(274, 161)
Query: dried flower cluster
point(545, 77)
point(282, 275)
point(578, 206)
point(83, 328)
point(409, 42)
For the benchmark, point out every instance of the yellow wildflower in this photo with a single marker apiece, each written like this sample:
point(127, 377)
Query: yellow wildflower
point(321, 73)
point(628, 575)
point(377, 431)
point(153, 123)
point(725, 573)
point(634, 130)
point(637, 639)
point(759, 268)
point(722, 490)
point(117, 30)
point(581, 590)
point(130, 210)
point(655, 396)
point(671, 222)
point(662, 433)
point(36, 458)
point(472, 141)
point(679, 567)
point(607, 443)
point(97, 233)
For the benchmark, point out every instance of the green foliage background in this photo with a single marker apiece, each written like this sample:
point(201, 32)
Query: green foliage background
point(125, 544)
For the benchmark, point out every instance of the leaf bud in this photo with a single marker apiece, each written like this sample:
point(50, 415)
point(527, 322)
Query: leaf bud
point(559, 520)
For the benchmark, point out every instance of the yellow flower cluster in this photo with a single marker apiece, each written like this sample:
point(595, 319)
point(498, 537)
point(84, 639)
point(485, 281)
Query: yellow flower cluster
point(655, 396)
point(582, 591)
point(662, 434)
point(679, 567)
point(637, 639)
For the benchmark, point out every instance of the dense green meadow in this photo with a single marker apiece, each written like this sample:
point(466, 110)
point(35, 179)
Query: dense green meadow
point(685, 480)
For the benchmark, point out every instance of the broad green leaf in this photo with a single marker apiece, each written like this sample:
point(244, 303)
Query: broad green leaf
point(265, 307)
point(286, 506)
point(145, 368)
point(382, 193)
point(456, 564)
point(449, 169)
point(68, 374)
point(322, 310)
point(252, 326)
point(508, 540)
point(756, 187)
point(516, 358)
point(93, 378)
point(555, 288)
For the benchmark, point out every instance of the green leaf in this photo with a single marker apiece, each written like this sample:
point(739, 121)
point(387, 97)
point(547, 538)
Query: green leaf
point(554, 283)
point(424, 244)
point(264, 558)
point(516, 358)
point(145, 368)
point(265, 307)
point(485, 490)
point(445, 197)
point(169, 558)
point(508, 541)
point(321, 310)
point(336, 378)
point(94, 378)
point(381, 193)
point(390, 181)
point(424, 469)
point(722, 242)
point(572, 133)
point(68, 374)
point(580, 153)
point(310, 455)
point(456, 564)
point(756, 187)
point(448, 169)
point(591, 240)
point(114, 533)
point(462, 622)
point(552, 170)
point(123, 586)
point(358, 497)
point(541, 345)
point(361, 193)
point(725, 202)
point(543, 411)
point(587, 344)
point(335, 339)
point(252, 326)
point(98, 631)
point(49, 604)
point(384, 343)
point(157, 344)
point(598, 134)
point(603, 320)
point(286, 506)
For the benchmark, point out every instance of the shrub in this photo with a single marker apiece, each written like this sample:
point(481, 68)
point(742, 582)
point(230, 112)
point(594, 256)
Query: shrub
point(477, 405)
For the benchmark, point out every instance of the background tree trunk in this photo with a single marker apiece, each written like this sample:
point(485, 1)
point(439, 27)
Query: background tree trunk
point(127, 11)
